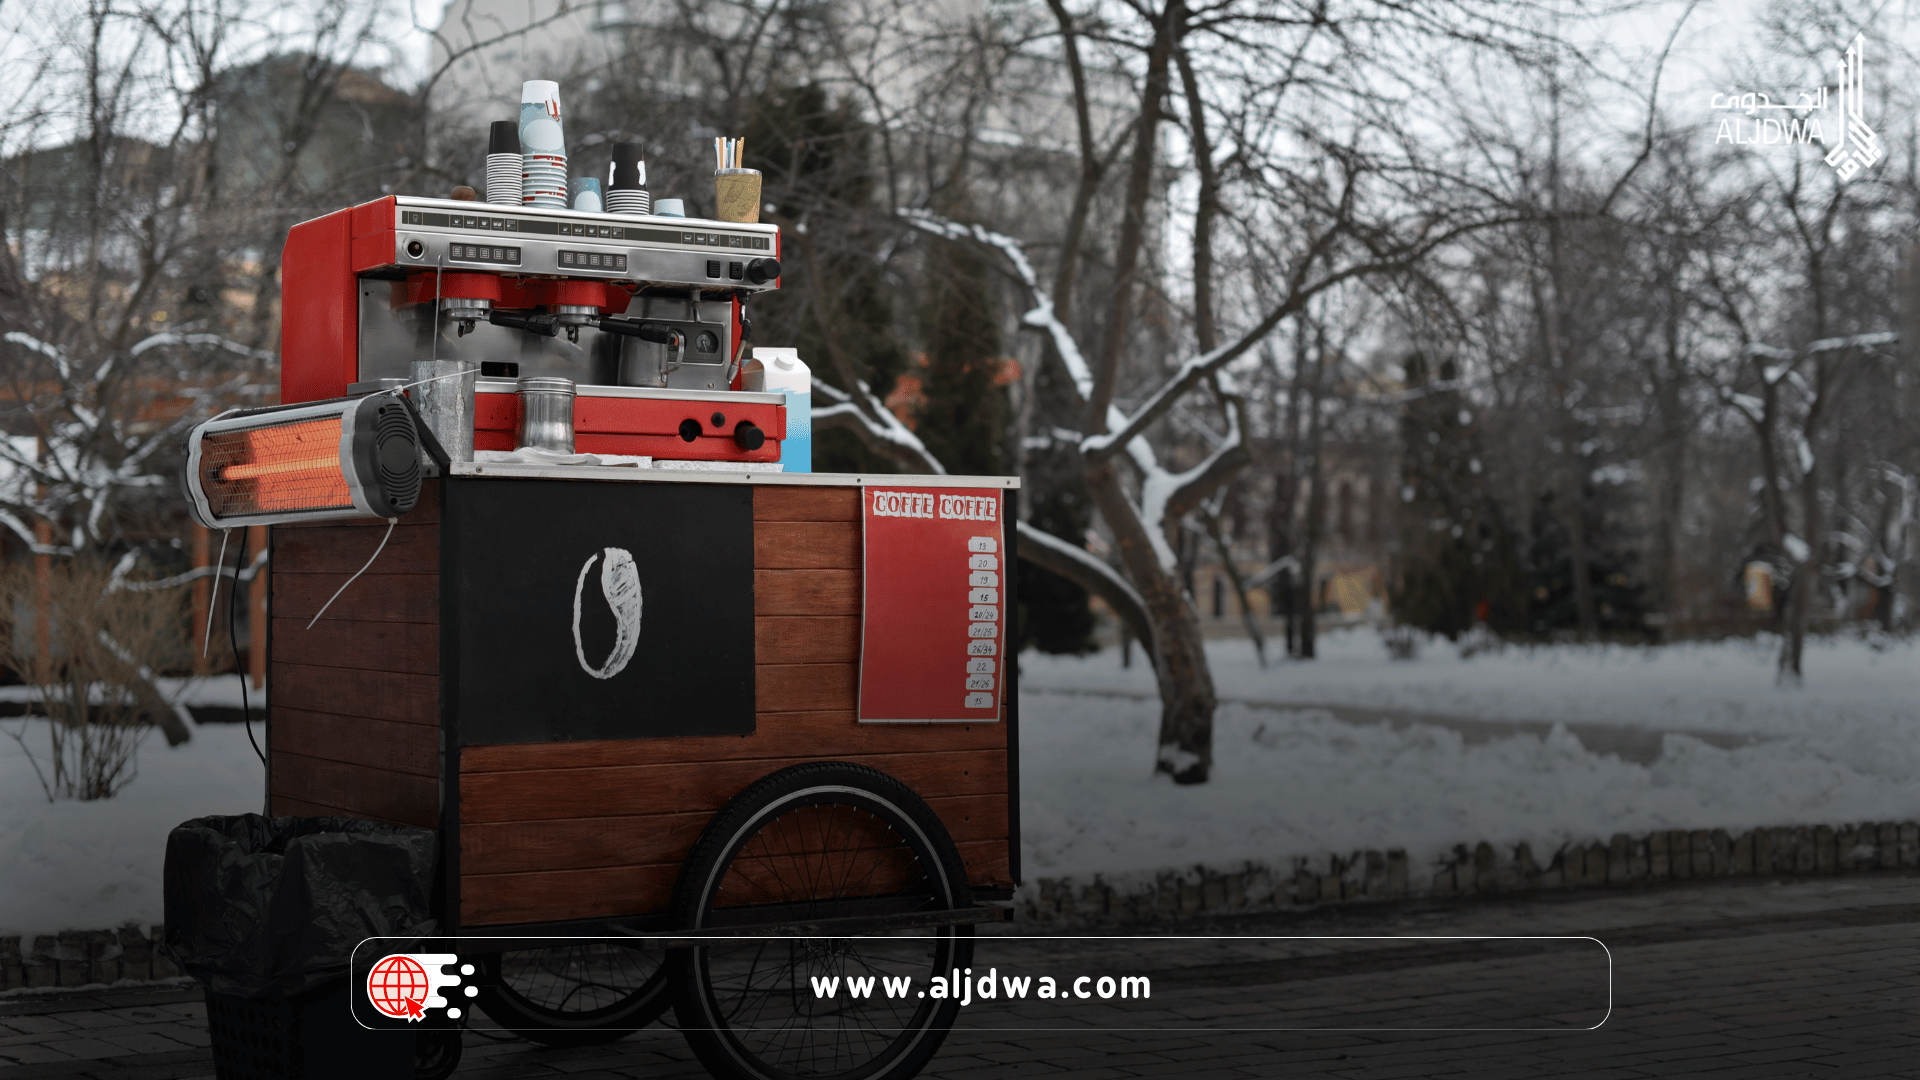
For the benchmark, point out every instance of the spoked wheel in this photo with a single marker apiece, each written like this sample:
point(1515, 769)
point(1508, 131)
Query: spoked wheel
point(819, 841)
point(435, 1054)
point(572, 995)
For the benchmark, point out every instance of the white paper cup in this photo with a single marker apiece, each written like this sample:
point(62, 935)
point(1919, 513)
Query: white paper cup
point(540, 128)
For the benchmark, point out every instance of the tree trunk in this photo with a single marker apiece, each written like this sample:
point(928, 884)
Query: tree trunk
point(1239, 582)
point(1186, 685)
point(1316, 498)
point(1806, 572)
point(1573, 499)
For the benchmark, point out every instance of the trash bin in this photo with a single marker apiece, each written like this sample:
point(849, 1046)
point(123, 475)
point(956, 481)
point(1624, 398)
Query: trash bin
point(265, 913)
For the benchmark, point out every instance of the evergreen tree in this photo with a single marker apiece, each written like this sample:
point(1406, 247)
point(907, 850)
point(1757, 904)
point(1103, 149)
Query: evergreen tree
point(1617, 591)
point(1457, 562)
point(1051, 613)
point(815, 159)
point(963, 415)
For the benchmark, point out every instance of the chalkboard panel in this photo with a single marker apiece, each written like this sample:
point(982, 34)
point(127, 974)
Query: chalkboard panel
point(598, 610)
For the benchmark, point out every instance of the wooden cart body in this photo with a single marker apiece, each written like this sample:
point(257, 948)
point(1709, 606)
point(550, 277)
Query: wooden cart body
point(579, 835)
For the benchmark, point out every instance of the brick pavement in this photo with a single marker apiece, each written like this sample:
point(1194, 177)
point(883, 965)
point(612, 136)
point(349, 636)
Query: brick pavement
point(1735, 979)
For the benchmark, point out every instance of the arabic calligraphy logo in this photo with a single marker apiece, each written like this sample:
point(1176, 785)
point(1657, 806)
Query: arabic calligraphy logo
point(1855, 145)
point(1853, 122)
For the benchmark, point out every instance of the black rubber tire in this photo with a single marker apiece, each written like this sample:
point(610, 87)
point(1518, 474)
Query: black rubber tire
point(735, 867)
point(561, 1016)
point(436, 1054)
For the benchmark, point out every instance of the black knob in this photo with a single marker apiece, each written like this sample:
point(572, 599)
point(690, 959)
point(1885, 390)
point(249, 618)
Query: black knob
point(689, 429)
point(719, 419)
point(761, 271)
point(747, 436)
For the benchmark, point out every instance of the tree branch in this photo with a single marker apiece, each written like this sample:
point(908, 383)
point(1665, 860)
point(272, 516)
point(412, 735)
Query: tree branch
point(1078, 565)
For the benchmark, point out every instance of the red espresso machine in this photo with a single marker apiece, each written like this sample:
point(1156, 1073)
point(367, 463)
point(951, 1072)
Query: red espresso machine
point(645, 314)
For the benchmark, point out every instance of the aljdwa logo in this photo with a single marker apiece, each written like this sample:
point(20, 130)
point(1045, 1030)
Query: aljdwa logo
point(1851, 142)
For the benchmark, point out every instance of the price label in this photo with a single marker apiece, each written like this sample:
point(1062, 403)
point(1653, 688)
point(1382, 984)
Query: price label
point(934, 604)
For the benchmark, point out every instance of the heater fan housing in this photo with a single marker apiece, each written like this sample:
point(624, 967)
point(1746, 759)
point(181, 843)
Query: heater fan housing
point(346, 458)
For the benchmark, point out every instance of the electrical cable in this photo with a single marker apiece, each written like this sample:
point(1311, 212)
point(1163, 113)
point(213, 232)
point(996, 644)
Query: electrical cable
point(391, 522)
point(219, 564)
point(233, 637)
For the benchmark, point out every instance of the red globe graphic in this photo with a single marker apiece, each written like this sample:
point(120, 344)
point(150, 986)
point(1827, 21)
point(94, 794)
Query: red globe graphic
point(397, 986)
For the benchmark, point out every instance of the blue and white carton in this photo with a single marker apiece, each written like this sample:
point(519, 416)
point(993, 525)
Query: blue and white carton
point(781, 371)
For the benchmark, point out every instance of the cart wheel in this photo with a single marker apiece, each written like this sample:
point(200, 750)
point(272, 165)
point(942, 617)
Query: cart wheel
point(574, 995)
point(435, 1054)
point(818, 841)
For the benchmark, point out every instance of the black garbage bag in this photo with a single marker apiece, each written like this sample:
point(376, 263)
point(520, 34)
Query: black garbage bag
point(260, 906)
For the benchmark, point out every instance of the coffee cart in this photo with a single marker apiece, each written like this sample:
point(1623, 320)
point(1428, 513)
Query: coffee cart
point(686, 735)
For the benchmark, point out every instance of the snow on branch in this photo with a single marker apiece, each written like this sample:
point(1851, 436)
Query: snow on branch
point(1079, 565)
point(1042, 316)
point(169, 337)
point(19, 528)
point(1273, 570)
point(118, 581)
point(1855, 341)
point(876, 424)
point(1160, 490)
point(1751, 407)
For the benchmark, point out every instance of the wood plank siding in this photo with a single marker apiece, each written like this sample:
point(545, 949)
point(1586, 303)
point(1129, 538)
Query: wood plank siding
point(354, 711)
point(577, 830)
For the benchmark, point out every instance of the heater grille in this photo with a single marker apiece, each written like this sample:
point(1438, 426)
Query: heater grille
point(275, 468)
point(333, 459)
point(396, 456)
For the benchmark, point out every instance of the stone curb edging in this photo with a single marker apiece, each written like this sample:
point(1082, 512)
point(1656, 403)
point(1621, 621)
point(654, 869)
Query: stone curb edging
point(74, 958)
point(1373, 876)
point(85, 957)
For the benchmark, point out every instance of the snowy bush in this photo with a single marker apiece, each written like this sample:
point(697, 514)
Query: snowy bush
point(89, 648)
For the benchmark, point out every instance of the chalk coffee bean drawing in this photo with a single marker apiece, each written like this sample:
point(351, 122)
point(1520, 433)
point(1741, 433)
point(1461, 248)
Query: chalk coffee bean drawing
point(620, 584)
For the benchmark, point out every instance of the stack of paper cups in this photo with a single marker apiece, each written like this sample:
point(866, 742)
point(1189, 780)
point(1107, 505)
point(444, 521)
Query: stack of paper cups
point(636, 202)
point(586, 195)
point(503, 163)
point(627, 186)
point(543, 147)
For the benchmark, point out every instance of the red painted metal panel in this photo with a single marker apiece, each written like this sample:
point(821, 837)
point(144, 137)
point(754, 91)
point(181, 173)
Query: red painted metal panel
point(319, 315)
point(649, 426)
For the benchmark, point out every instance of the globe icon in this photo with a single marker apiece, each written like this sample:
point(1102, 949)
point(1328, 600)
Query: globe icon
point(397, 986)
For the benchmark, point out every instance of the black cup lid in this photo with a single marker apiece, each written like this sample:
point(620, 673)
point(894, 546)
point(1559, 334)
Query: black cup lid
point(626, 166)
point(504, 138)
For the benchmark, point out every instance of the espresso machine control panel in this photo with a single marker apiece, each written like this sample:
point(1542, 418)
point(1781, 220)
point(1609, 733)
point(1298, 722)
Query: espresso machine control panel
point(646, 314)
point(645, 250)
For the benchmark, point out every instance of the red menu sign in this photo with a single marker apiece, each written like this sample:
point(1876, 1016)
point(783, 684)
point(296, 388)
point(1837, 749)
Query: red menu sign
point(932, 643)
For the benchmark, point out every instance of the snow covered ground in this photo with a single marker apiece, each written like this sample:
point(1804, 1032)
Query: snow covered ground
point(1353, 750)
point(95, 865)
point(1349, 751)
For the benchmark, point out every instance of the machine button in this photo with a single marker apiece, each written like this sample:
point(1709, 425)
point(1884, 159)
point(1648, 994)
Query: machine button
point(719, 419)
point(736, 271)
point(748, 436)
point(415, 249)
point(689, 429)
point(713, 267)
